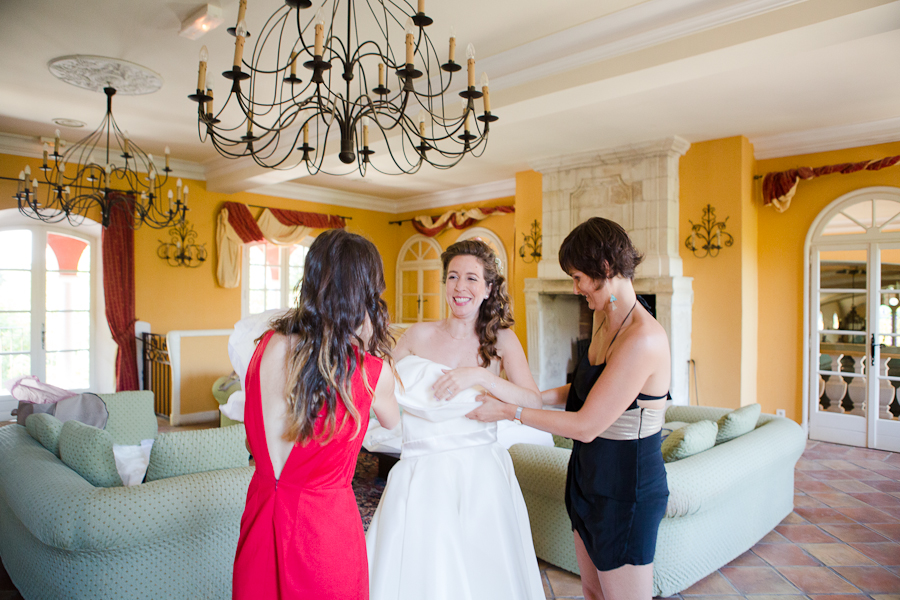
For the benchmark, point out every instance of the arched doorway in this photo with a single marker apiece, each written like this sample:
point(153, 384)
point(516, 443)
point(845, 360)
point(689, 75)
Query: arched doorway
point(852, 341)
point(419, 287)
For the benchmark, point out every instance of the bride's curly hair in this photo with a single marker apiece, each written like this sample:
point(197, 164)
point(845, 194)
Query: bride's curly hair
point(343, 281)
point(495, 312)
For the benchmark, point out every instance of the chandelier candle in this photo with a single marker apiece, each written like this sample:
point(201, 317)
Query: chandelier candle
point(56, 144)
point(239, 38)
point(201, 76)
point(484, 90)
point(470, 57)
point(410, 39)
point(452, 46)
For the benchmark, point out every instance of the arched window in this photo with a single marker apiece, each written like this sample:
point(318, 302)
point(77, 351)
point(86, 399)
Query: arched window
point(491, 239)
point(52, 322)
point(419, 286)
point(851, 358)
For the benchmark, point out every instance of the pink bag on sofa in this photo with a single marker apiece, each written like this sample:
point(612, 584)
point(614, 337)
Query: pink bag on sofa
point(33, 390)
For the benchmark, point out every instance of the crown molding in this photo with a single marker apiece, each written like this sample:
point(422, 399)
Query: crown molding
point(825, 139)
point(473, 193)
point(32, 147)
point(312, 193)
point(673, 145)
point(630, 30)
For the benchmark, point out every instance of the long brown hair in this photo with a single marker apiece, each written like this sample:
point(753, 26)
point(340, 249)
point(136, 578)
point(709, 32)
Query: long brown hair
point(494, 313)
point(343, 282)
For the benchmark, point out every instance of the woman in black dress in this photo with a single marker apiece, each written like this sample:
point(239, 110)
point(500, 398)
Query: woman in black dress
point(616, 490)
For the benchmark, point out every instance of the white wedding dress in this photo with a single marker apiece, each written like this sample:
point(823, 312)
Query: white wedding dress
point(452, 523)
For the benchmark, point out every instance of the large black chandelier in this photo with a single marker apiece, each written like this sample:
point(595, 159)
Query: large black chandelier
point(107, 170)
point(276, 108)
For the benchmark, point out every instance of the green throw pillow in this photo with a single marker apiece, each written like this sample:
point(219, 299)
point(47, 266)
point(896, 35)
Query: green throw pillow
point(89, 452)
point(738, 422)
point(689, 440)
point(671, 426)
point(562, 442)
point(185, 452)
point(45, 428)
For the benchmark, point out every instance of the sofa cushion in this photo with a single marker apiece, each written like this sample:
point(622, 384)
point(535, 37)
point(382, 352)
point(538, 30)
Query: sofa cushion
point(738, 422)
point(185, 452)
point(88, 451)
point(131, 417)
point(689, 440)
point(45, 428)
point(562, 442)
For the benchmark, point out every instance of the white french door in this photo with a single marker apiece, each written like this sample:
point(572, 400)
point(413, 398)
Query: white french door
point(854, 346)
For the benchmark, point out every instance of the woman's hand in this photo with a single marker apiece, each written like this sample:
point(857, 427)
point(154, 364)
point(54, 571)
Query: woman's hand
point(456, 380)
point(491, 410)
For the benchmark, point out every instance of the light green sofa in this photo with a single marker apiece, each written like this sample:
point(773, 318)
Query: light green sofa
point(721, 501)
point(61, 537)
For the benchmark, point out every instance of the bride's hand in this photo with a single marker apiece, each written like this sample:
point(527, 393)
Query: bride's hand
point(490, 410)
point(456, 380)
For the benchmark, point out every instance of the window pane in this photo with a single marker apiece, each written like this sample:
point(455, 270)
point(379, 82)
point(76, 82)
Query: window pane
point(272, 277)
point(66, 250)
point(273, 299)
point(68, 290)
point(841, 225)
point(257, 255)
point(68, 331)
point(257, 277)
point(15, 332)
point(69, 370)
point(15, 249)
point(15, 290)
point(11, 366)
point(257, 302)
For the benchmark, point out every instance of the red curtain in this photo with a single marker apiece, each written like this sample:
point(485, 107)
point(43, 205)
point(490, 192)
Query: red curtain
point(307, 219)
point(118, 288)
point(781, 185)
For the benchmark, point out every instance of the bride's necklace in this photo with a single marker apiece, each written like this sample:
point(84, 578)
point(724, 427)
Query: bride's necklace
point(462, 339)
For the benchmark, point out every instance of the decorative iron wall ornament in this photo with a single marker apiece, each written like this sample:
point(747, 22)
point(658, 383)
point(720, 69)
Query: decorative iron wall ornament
point(530, 250)
point(709, 235)
point(181, 251)
point(335, 91)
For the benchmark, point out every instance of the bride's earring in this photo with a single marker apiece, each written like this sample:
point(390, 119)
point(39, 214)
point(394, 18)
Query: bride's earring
point(612, 301)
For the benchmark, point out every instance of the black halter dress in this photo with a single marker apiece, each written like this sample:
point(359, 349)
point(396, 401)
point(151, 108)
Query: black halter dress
point(616, 491)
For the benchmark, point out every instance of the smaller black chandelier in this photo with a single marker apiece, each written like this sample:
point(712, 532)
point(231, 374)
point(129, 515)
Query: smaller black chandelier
point(335, 91)
point(530, 250)
point(136, 187)
point(182, 251)
point(708, 236)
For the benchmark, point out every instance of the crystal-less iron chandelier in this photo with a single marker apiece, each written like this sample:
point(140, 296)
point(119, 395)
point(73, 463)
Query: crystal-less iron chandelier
point(120, 178)
point(280, 105)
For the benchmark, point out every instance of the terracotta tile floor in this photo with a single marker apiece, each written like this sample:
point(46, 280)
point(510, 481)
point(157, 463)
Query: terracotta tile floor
point(842, 542)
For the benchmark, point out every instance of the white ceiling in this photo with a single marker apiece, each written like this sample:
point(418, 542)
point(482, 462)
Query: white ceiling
point(792, 75)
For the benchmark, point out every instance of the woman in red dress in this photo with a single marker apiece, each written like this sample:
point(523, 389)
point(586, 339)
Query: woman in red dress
point(310, 385)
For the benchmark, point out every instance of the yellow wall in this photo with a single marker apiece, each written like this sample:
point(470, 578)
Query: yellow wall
point(719, 173)
point(529, 207)
point(781, 240)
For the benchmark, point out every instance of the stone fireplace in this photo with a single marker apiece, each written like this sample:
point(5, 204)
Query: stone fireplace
point(636, 186)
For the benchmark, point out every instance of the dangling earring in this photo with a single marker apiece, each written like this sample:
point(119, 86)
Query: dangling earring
point(612, 301)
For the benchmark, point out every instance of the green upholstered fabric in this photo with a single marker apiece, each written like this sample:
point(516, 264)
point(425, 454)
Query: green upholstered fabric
point(131, 417)
point(88, 451)
point(185, 452)
point(61, 537)
point(562, 442)
point(45, 428)
point(721, 501)
point(738, 422)
point(689, 440)
point(668, 428)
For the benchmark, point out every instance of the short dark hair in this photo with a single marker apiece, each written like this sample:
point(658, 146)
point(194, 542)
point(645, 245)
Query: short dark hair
point(601, 249)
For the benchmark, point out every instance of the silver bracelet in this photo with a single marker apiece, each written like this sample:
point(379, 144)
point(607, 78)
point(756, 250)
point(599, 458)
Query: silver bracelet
point(518, 419)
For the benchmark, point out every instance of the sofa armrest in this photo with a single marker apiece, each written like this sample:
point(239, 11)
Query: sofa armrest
point(541, 469)
point(696, 482)
point(184, 452)
point(64, 511)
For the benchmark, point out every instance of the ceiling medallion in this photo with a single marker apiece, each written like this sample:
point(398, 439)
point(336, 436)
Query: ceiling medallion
point(97, 72)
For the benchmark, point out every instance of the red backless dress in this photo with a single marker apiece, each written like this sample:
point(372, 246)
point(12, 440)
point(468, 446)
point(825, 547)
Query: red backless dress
point(301, 535)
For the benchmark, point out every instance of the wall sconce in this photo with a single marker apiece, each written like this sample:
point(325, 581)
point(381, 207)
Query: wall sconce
point(530, 251)
point(708, 236)
point(182, 251)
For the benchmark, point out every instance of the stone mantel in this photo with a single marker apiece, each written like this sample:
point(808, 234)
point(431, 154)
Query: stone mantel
point(673, 146)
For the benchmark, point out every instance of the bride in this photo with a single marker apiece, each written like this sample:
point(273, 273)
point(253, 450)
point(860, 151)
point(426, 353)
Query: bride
point(452, 524)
